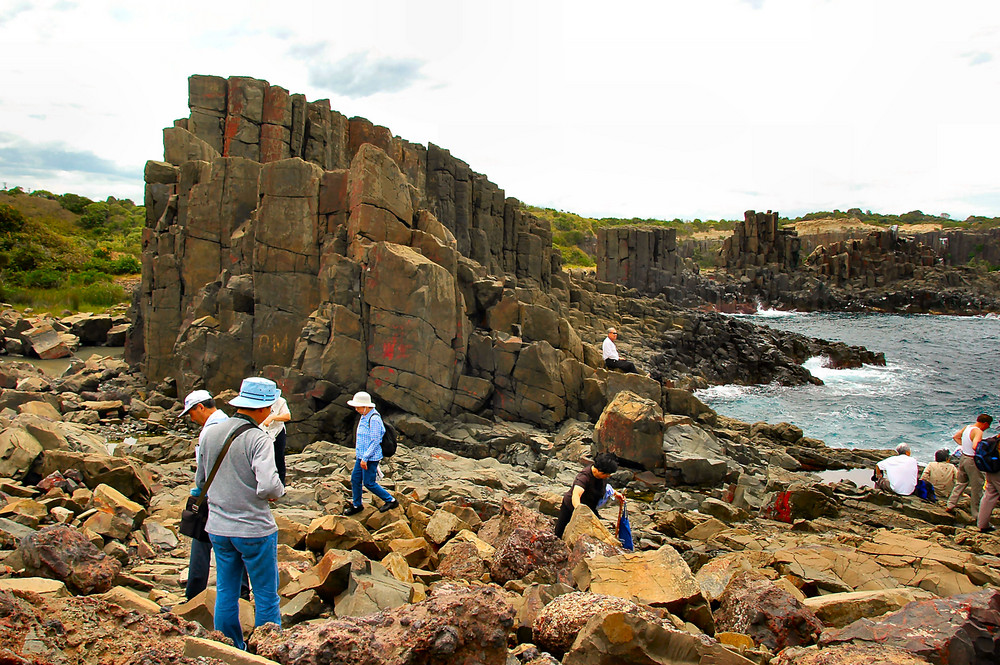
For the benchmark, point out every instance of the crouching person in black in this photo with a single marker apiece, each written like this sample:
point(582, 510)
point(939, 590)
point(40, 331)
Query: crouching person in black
point(588, 489)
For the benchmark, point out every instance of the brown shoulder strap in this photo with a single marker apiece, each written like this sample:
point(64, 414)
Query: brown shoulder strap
point(215, 468)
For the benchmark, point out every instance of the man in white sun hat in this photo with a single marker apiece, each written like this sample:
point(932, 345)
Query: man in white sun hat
point(367, 454)
point(199, 406)
point(240, 523)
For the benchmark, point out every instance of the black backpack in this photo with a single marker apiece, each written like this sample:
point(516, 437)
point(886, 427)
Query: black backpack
point(388, 440)
point(987, 457)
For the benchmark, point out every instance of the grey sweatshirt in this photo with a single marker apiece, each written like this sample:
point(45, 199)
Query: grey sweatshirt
point(247, 478)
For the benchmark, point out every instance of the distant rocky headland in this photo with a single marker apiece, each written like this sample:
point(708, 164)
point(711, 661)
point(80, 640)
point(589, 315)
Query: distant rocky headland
point(285, 240)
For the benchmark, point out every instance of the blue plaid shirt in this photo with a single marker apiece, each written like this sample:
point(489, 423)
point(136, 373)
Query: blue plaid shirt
point(368, 438)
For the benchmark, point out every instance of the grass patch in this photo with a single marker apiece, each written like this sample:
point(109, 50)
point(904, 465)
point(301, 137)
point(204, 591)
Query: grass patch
point(95, 297)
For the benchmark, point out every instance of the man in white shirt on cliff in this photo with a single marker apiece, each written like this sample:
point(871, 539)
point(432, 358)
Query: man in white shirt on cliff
point(610, 353)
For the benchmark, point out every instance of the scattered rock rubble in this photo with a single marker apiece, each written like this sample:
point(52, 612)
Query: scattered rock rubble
point(467, 568)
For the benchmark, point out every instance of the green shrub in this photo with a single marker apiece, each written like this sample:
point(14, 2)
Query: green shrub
point(26, 256)
point(574, 256)
point(41, 278)
point(95, 215)
point(125, 265)
point(74, 203)
point(11, 219)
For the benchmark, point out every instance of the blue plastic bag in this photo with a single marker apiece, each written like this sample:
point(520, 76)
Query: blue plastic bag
point(624, 528)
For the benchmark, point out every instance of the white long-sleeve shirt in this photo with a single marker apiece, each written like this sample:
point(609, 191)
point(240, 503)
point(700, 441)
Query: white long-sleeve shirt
point(610, 350)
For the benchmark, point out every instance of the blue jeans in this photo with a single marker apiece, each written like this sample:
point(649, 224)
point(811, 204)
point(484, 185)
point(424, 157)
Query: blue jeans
point(198, 568)
point(260, 557)
point(368, 478)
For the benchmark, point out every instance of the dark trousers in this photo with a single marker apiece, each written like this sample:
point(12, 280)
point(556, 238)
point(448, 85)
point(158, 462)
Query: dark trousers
point(279, 454)
point(198, 566)
point(565, 514)
point(624, 365)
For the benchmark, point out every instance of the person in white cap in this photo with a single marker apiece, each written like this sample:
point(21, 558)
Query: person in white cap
point(199, 406)
point(240, 524)
point(367, 455)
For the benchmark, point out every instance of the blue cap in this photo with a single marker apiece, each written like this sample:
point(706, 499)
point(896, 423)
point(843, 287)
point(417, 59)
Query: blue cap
point(256, 393)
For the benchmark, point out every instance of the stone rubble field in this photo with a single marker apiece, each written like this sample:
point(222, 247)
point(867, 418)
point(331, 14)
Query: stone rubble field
point(741, 554)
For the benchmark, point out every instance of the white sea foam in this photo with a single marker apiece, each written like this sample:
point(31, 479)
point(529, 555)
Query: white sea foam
point(860, 380)
point(723, 393)
point(767, 313)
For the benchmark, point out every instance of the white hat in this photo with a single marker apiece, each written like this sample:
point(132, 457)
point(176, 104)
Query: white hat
point(361, 399)
point(193, 399)
point(256, 393)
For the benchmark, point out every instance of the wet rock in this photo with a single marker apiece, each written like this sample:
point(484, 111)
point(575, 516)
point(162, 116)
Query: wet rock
point(456, 624)
point(49, 344)
point(948, 631)
point(64, 553)
point(756, 607)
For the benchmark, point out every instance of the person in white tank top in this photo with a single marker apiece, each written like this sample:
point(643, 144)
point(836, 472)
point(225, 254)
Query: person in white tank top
point(968, 475)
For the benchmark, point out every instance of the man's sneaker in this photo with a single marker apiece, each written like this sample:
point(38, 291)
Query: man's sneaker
point(989, 529)
point(388, 505)
point(353, 510)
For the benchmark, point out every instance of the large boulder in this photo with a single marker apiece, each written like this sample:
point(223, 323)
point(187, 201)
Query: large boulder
point(456, 624)
point(125, 475)
point(532, 388)
point(556, 626)
point(692, 455)
point(372, 589)
point(631, 427)
point(413, 323)
point(755, 606)
point(963, 629)
point(841, 609)
point(619, 638)
point(61, 552)
point(531, 550)
point(18, 451)
point(653, 577)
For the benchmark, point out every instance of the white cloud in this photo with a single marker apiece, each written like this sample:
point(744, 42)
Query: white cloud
point(648, 109)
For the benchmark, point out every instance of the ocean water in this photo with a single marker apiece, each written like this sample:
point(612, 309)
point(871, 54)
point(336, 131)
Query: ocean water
point(939, 376)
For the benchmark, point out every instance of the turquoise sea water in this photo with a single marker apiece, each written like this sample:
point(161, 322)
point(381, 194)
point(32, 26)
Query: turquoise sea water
point(940, 373)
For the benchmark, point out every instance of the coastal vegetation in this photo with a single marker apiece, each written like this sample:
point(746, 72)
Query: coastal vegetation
point(66, 251)
point(575, 236)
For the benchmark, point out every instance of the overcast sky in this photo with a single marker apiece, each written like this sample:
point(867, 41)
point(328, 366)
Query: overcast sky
point(662, 109)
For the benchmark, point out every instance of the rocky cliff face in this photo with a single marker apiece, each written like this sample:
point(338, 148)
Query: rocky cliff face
point(285, 239)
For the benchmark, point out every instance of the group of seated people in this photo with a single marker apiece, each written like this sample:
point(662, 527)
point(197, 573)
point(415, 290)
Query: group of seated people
point(900, 473)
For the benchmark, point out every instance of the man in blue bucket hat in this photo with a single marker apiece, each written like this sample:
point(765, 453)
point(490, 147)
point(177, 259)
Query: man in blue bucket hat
point(240, 524)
